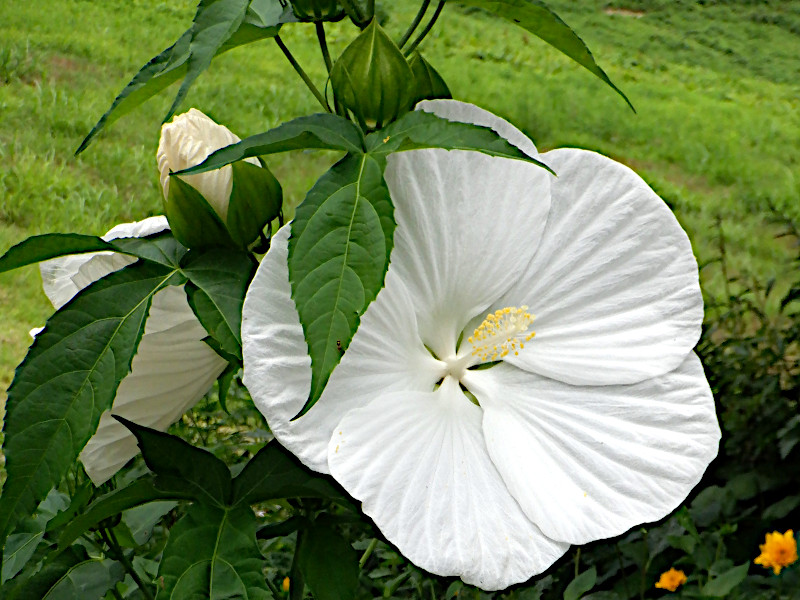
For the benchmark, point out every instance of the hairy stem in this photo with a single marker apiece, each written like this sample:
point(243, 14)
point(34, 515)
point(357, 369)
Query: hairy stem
point(303, 75)
point(415, 23)
point(427, 29)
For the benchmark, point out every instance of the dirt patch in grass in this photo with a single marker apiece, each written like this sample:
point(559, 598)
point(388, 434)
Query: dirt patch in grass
point(624, 12)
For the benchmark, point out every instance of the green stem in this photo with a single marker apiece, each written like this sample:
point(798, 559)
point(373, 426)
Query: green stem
point(622, 571)
point(326, 56)
point(427, 29)
point(367, 553)
point(275, 592)
point(371, 9)
point(111, 539)
point(577, 561)
point(415, 23)
point(303, 75)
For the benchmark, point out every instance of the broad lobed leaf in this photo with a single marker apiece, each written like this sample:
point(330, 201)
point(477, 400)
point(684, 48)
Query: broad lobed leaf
point(68, 378)
point(328, 562)
point(338, 256)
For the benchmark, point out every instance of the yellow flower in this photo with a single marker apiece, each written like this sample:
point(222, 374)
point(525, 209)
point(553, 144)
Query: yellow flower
point(670, 580)
point(286, 583)
point(779, 551)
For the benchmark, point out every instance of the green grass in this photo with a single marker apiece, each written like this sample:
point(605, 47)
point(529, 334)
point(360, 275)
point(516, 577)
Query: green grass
point(715, 84)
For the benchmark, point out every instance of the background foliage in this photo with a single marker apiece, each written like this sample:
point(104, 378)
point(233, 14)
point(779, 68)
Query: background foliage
point(717, 135)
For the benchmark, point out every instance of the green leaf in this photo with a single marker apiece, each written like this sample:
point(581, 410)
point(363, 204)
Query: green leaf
point(161, 248)
point(321, 131)
point(535, 17)
point(581, 584)
point(724, 583)
point(35, 584)
point(262, 20)
point(141, 491)
point(218, 280)
point(212, 553)
point(275, 473)
point(419, 129)
point(192, 219)
point(87, 580)
point(429, 85)
point(50, 245)
point(68, 378)
point(214, 23)
point(179, 465)
point(224, 384)
point(338, 256)
point(328, 562)
point(781, 508)
point(141, 520)
point(256, 199)
point(372, 78)
point(77, 505)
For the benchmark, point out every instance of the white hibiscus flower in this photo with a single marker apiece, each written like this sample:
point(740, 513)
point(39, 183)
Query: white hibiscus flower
point(478, 449)
point(172, 369)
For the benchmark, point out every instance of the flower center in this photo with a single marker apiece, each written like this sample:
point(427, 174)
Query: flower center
point(503, 331)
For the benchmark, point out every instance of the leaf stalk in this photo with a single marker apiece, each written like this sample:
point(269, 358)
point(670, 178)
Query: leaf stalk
point(426, 30)
point(303, 75)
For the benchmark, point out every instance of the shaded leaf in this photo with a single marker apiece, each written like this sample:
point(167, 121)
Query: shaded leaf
point(781, 508)
point(275, 473)
point(142, 519)
point(338, 256)
point(328, 562)
point(87, 580)
point(320, 131)
point(581, 584)
point(419, 129)
point(140, 492)
point(68, 378)
point(179, 465)
point(212, 553)
point(535, 17)
point(192, 219)
point(724, 583)
point(218, 280)
point(36, 584)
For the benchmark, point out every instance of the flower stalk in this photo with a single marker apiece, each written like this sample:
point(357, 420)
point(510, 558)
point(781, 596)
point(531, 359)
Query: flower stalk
point(303, 75)
point(415, 23)
point(439, 7)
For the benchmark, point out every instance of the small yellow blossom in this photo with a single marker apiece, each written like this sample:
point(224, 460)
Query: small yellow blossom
point(779, 551)
point(670, 580)
point(286, 583)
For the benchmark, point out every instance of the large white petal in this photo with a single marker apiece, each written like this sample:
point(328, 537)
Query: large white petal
point(61, 277)
point(173, 368)
point(588, 463)
point(418, 463)
point(463, 112)
point(614, 284)
point(384, 354)
point(467, 226)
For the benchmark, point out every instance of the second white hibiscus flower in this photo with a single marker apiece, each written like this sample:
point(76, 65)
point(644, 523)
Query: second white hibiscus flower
point(480, 450)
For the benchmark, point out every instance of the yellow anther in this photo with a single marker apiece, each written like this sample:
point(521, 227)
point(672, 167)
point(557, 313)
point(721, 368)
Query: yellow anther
point(500, 333)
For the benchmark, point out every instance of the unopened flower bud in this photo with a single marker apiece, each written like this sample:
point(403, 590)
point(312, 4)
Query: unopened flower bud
point(317, 10)
point(373, 79)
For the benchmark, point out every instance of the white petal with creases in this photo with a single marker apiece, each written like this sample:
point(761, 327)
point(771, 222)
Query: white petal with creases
point(418, 463)
point(384, 354)
point(467, 226)
point(614, 284)
point(588, 463)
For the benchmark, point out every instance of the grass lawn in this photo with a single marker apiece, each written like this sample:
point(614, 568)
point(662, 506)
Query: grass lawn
point(715, 85)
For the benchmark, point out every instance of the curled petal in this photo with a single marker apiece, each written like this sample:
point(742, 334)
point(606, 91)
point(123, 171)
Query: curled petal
point(614, 284)
point(385, 354)
point(418, 463)
point(588, 463)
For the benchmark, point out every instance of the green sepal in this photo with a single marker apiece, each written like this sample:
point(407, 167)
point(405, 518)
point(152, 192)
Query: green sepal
point(373, 79)
point(429, 84)
point(193, 221)
point(256, 199)
point(317, 10)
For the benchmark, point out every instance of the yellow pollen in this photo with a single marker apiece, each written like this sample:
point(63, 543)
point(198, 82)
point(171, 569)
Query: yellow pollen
point(503, 331)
